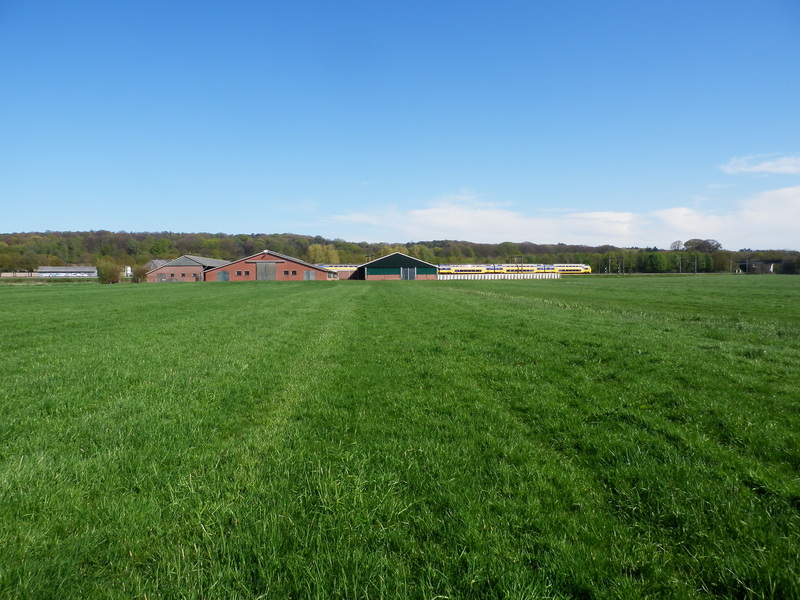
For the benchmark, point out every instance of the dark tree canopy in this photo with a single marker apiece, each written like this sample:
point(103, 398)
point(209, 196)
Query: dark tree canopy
point(698, 245)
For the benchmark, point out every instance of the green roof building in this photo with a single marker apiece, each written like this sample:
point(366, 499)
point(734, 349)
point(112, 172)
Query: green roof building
point(397, 266)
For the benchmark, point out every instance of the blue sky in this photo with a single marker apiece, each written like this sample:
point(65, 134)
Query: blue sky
point(597, 122)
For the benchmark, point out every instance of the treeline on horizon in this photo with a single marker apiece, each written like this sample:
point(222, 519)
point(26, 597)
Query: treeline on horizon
point(28, 251)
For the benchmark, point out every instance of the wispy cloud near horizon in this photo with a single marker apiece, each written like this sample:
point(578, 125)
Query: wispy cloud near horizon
point(767, 164)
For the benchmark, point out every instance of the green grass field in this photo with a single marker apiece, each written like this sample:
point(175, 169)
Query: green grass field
point(589, 437)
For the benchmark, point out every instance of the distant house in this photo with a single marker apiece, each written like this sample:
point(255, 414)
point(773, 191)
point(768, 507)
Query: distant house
point(66, 272)
point(184, 268)
point(269, 266)
point(396, 266)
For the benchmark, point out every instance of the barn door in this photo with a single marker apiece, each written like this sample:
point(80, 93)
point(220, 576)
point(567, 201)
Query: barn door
point(265, 271)
point(309, 276)
point(408, 272)
point(222, 276)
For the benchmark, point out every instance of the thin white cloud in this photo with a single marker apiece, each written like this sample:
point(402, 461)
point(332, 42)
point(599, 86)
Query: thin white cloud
point(767, 220)
point(688, 223)
point(763, 164)
point(615, 224)
point(467, 198)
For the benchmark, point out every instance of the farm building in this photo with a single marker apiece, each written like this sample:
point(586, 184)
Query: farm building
point(184, 268)
point(66, 272)
point(396, 266)
point(342, 271)
point(269, 266)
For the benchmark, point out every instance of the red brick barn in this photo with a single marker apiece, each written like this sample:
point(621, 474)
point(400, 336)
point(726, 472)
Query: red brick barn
point(269, 266)
point(397, 266)
point(184, 268)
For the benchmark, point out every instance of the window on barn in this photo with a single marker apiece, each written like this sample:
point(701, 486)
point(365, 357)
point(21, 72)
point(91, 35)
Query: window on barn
point(183, 274)
point(247, 273)
point(286, 272)
point(238, 273)
point(294, 272)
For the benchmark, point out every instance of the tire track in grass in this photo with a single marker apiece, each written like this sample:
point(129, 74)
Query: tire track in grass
point(331, 316)
point(241, 517)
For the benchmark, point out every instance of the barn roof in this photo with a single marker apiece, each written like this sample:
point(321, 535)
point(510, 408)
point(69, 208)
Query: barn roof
point(189, 260)
point(67, 270)
point(396, 260)
point(202, 260)
point(276, 255)
point(156, 263)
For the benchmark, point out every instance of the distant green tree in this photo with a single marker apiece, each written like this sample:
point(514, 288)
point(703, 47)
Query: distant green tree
point(109, 272)
point(55, 261)
point(314, 254)
point(423, 253)
point(322, 254)
point(9, 261)
point(509, 250)
point(139, 274)
point(331, 254)
point(656, 263)
point(722, 261)
point(30, 261)
point(697, 245)
point(349, 253)
point(133, 247)
point(389, 249)
point(246, 244)
point(160, 247)
point(212, 248)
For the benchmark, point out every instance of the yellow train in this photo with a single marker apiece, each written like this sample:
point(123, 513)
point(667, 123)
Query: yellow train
point(573, 268)
point(503, 269)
